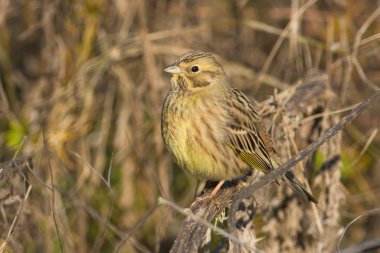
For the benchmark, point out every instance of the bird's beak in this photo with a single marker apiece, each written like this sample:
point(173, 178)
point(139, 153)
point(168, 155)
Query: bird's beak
point(173, 69)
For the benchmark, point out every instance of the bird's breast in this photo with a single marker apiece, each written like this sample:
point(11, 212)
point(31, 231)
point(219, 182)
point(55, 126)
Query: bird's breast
point(194, 132)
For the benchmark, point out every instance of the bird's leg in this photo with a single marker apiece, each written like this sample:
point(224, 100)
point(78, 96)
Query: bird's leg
point(213, 193)
point(217, 187)
point(200, 187)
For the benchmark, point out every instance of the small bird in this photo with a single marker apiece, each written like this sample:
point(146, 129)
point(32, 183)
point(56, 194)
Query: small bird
point(212, 129)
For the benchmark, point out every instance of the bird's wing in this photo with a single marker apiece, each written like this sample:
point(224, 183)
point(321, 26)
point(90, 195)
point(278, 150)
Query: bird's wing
point(252, 143)
point(246, 134)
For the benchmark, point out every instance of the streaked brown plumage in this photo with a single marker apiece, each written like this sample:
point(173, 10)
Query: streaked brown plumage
point(212, 129)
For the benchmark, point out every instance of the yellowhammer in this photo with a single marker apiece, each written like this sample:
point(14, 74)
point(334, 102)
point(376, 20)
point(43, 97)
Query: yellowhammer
point(212, 129)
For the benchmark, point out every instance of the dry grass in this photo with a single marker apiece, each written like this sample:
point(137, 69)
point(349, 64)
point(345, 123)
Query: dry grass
point(81, 89)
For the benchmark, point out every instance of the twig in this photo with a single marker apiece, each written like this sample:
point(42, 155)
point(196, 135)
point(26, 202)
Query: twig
point(128, 236)
point(366, 246)
point(279, 42)
point(367, 213)
point(16, 220)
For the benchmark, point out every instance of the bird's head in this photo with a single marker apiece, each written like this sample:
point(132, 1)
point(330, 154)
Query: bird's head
point(195, 71)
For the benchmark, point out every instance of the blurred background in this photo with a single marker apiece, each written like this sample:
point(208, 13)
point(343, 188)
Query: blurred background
point(81, 90)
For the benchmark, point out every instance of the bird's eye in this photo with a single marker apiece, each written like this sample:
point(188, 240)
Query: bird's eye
point(194, 69)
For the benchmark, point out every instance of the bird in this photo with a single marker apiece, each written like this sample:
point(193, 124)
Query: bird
point(212, 129)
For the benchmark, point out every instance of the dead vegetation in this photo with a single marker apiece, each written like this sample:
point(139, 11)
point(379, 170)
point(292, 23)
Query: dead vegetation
point(81, 89)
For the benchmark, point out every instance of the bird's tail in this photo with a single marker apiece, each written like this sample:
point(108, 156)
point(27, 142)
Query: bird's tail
point(298, 188)
point(295, 184)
